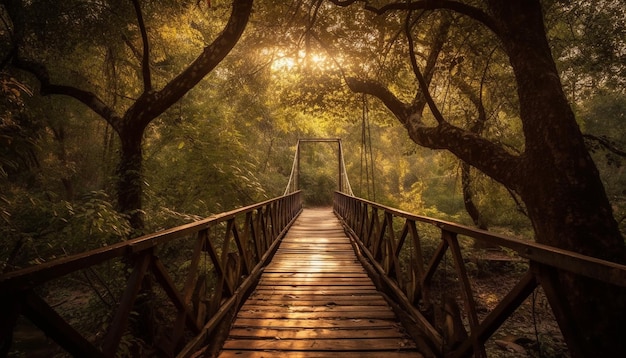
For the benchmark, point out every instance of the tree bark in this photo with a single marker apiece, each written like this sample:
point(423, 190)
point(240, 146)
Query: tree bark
point(129, 177)
point(562, 189)
point(468, 198)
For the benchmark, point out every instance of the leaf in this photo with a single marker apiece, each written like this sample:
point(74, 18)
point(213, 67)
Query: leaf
point(181, 145)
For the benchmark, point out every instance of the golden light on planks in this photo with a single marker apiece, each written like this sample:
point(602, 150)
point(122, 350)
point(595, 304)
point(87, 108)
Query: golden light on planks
point(315, 299)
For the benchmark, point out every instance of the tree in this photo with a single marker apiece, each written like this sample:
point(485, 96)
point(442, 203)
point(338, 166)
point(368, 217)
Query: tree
point(151, 102)
point(555, 176)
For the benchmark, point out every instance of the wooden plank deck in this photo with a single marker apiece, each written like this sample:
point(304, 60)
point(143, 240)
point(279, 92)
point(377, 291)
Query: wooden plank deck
point(315, 300)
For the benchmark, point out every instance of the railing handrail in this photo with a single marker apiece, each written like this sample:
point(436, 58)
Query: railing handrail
point(25, 278)
point(409, 283)
point(253, 232)
point(589, 266)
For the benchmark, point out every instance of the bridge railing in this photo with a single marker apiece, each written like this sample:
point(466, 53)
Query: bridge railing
point(223, 257)
point(394, 247)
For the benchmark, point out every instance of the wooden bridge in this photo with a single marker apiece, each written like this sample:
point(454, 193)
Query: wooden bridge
point(275, 279)
point(316, 299)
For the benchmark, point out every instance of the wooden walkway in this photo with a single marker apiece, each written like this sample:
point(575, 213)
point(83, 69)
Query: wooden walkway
point(315, 300)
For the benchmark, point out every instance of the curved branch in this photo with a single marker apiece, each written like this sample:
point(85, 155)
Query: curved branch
point(397, 107)
point(87, 98)
point(344, 3)
point(436, 46)
point(418, 73)
point(488, 157)
point(519, 205)
point(211, 56)
point(145, 60)
point(464, 9)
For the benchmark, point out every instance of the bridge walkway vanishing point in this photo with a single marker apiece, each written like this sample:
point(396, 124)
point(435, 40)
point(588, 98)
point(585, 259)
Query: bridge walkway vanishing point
point(315, 299)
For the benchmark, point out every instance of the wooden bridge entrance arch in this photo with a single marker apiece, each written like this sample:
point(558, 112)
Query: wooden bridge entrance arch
point(343, 184)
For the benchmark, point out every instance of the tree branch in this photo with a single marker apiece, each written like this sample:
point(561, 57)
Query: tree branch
point(479, 152)
point(519, 205)
point(343, 3)
point(397, 107)
point(145, 60)
point(87, 98)
point(418, 73)
point(464, 9)
point(484, 155)
point(606, 143)
point(436, 46)
point(158, 102)
point(132, 47)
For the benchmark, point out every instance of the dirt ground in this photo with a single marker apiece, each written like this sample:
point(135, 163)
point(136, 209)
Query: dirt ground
point(532, 330)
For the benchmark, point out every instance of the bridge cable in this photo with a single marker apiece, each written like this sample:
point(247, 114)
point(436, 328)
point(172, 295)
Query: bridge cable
point(367, 159)
point(344, 182)
point(291, 184)
point(344, 173)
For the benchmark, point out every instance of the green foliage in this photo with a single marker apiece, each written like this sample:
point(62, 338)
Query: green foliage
point(18, 131)
point(602, 117)
point(588, 41)
point(44, 229)
point(318, 189)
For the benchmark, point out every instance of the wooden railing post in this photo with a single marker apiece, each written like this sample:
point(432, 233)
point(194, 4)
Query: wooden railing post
point(10, 309)
point(466, 289)
point(418, 267)
point(55, 327)
point(120, 320)
point(188, 288)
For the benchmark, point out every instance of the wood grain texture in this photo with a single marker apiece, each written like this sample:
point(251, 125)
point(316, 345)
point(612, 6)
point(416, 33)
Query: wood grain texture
point(315, 300)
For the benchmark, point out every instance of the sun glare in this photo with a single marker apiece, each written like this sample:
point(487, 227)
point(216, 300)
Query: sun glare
point(287, 62)
point(283, 63)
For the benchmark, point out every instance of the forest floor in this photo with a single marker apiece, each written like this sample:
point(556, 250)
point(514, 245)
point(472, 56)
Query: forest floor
point(532, 330)
point(30, 341)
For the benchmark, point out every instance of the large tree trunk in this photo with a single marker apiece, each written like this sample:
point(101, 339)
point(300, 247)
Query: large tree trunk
point(130, 178)
point(561, 187)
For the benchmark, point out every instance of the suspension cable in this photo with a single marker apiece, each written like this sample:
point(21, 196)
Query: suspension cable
point(367, 158)
point(348, 187)
point(344, 182)
point(291, 184)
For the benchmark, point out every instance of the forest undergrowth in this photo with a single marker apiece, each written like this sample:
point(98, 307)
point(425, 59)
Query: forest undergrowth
point(532, 330)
